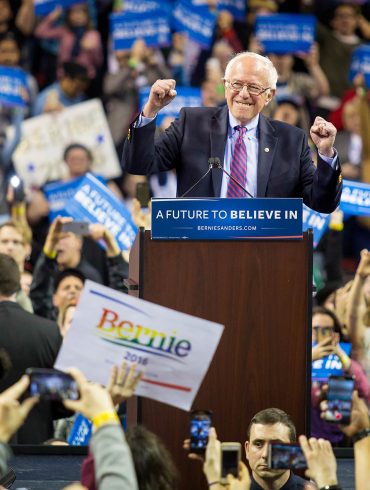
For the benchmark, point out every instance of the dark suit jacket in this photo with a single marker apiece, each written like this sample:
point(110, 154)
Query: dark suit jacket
point(30, 341)
point(285, 168)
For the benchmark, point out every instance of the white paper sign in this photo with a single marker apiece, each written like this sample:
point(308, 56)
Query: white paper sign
point(39, 155)
point(173, 349)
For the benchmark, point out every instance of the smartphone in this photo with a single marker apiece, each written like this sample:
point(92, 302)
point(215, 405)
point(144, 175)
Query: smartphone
point(230, 459)
point(339, 397)
point(323, 333)
point(18, 188)
point(77, 227)
point(285, 456)
point(200, 423)
point(50, 384)
point(143, 194)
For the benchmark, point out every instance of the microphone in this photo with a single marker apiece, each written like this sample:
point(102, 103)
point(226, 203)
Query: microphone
point(210, 167)
point(215, 163)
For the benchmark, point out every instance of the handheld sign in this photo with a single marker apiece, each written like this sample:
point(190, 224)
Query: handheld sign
point(360, 63)
point(95, 203)
point(329, 365)
point(13, 87)
point(152, 27)
point(195, 20)
point(173, 349)
point(286, 33)
point(355, 199)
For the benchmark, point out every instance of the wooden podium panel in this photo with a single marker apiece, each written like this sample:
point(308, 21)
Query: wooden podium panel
point(261, 291)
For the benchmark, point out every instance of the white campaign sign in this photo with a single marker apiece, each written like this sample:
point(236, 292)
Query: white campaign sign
point(39, 155)
point(173, 349)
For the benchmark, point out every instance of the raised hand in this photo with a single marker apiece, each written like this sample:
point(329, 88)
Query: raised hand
point(323, 135)
point(161, 94)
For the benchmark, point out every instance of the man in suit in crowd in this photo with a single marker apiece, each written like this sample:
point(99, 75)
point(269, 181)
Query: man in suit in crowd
point(269, 158)
point(29, 341)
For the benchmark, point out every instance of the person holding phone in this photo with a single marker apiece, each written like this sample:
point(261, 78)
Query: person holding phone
point(326, 337)
point(271, 424)
point(63, 251)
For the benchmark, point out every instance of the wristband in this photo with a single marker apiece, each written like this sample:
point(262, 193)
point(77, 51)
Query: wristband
point(361, 435)
point(50, 254)
point(104, 418)
point(331, 487)
point(336, 226)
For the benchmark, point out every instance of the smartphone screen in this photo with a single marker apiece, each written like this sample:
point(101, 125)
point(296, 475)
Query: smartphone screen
point(285, 456)
point(339, 397)
point(77, 227)
point(200, 423)
point(52, 385)
point(230, 459)
point(143, 194)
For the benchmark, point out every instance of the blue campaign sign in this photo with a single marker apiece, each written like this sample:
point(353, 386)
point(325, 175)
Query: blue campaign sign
point(95, 203)
point(196, 20)
point(226, 219)
point(146, 7)
point(81, 431)
point(13, 87)
point(44, 7)
point(360, 63)
point(355, 198)
point(59, 193)
point(323, 368)
point(152, 27)
point(237, 8)
point(186, 97)
point(317, 221)
point(286, 33)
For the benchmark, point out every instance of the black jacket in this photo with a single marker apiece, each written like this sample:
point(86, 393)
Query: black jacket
point(30, 341)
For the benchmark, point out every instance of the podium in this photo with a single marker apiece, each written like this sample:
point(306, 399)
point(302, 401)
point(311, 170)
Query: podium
point(261, 291)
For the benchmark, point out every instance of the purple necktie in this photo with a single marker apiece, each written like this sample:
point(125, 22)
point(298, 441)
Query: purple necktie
point(238, 165)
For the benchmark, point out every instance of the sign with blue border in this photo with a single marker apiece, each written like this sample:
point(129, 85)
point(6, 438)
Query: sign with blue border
point(81, 431)
point(317, 221)
point(286, 33)
point(13, 87)
point(145, 7)
point(197, 21)
point(152, 27)
point(95, 203)
point(237, 8)
point(227, 219)
point(44, 7)
point(355, 199)
point(360, 63)
point(59, 193)
point(329, 365)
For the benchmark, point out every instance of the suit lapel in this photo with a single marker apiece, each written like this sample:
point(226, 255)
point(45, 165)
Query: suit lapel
point(218, 135)
point(266, 150)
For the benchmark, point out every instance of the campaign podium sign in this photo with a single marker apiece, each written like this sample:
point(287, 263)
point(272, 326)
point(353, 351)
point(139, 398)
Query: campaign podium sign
point(227, 219)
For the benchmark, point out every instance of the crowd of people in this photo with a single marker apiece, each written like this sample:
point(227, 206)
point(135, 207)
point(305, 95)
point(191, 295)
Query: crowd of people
point(68, 59)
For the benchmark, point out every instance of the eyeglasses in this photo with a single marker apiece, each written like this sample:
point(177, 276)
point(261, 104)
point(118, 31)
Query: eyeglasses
point(251, 87)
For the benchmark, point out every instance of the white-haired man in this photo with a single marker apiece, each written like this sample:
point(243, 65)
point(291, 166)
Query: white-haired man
point(269, 158)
